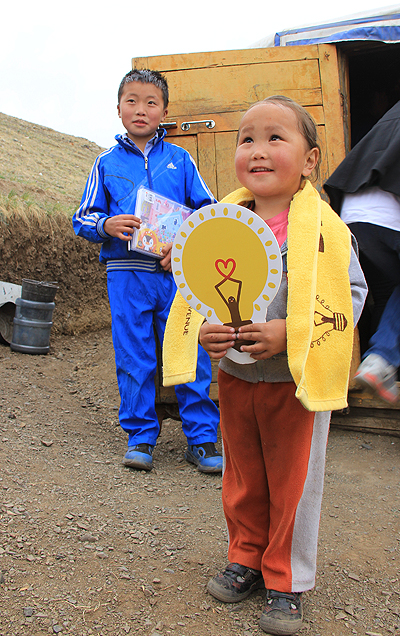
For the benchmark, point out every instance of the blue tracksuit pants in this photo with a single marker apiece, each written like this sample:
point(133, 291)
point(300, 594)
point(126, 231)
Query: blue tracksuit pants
point(139, 300)
point(380, 259)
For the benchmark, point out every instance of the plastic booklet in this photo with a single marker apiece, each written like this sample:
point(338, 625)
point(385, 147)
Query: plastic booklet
point(161, 218)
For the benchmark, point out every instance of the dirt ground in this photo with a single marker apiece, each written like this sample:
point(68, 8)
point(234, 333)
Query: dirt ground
point(91, 547)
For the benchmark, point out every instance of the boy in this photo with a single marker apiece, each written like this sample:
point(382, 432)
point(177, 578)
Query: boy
point(140, 287)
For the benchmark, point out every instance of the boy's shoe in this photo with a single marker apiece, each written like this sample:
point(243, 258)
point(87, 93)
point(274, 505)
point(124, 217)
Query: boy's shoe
point(235, 583)
point(283, 613)
point(139, 456)
point(376, 373)
point(205, 457)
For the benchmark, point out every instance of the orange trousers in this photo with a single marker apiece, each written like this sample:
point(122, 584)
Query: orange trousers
point(272, 486)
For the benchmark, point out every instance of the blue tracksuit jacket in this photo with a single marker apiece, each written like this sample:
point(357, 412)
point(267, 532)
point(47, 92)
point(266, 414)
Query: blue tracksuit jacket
point(112, 186)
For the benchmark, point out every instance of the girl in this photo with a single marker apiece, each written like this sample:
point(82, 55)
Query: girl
point(275, 413)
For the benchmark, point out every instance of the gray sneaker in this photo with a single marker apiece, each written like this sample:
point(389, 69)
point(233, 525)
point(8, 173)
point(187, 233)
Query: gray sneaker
point(235, 583)
point(283, 613)
point(377, 374)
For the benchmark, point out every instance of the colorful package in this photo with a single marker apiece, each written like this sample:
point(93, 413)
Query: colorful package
point(161, 219)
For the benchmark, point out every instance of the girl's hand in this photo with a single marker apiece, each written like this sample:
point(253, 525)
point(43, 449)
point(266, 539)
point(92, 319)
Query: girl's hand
point(270, 338)
point(121, 226)
point(216, 339)
point(166, 261)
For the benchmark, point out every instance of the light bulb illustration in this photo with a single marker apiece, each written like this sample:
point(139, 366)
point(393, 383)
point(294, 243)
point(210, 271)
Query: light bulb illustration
point(328, 319)
point(231, 297)
point(227, 265)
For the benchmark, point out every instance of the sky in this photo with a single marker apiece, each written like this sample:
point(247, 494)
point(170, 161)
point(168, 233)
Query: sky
point(61, 63)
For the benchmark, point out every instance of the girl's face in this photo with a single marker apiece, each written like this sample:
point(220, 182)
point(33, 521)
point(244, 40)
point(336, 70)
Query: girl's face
point(272, 155)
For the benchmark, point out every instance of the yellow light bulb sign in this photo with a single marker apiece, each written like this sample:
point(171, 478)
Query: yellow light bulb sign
point(227, 265)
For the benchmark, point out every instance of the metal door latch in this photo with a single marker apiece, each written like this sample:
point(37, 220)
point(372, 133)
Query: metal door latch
point(168, 124)
point(210, 123)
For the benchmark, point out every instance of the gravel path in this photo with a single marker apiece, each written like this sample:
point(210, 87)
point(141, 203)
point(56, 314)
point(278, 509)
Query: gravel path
point(91, 547)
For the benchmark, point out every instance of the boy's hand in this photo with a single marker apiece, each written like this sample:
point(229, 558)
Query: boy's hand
point(216, 339)
point(166, 260)
point(270, 338)
point(121, 226)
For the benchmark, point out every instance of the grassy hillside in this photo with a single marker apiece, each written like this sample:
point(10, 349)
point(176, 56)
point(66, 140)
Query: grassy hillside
point(42, 177)
point(41, 168)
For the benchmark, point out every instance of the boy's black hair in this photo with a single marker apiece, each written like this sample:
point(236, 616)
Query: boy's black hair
point(145, 76)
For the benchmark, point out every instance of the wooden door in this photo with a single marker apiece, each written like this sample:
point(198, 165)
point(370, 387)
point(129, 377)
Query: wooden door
point(218, 87)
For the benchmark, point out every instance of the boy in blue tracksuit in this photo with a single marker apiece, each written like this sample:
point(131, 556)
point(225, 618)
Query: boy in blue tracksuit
point(140, 287)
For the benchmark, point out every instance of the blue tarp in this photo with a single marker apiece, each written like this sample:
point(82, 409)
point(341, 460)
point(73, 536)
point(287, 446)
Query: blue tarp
point(382, 25)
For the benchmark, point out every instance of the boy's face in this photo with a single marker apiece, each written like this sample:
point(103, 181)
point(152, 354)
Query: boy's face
point(272, 155)
point(141, 109)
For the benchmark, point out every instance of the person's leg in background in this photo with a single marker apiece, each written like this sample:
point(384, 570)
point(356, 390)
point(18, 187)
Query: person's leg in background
point(380, 250)
point(132, 296)
point(199, 414)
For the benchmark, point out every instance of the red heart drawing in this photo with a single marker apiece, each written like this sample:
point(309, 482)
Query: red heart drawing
point(225, 264)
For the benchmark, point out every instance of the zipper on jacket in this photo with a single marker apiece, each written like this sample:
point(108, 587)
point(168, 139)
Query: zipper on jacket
point(134, 148)
point(146, 165)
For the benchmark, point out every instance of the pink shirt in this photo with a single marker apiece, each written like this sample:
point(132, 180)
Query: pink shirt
point(278, 225)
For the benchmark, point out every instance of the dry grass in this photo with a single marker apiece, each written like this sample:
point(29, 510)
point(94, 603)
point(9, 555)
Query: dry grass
point(13, 205)
point(42, 171)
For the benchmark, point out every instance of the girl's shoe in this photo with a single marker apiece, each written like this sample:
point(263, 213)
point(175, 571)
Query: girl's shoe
point(235, 583)
point(283, 613)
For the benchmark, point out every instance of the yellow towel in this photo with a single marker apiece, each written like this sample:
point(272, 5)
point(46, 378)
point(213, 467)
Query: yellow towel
point(181, 343)
point(319, 355)
point(319, 322)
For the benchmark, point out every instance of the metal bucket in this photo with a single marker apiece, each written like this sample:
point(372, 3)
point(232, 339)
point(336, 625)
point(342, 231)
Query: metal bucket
point(31, 310)
point(31, 336)
point(31, 326)
point(39, 291)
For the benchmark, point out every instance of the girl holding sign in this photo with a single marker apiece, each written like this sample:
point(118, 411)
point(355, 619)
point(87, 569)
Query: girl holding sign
point(275, 412)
